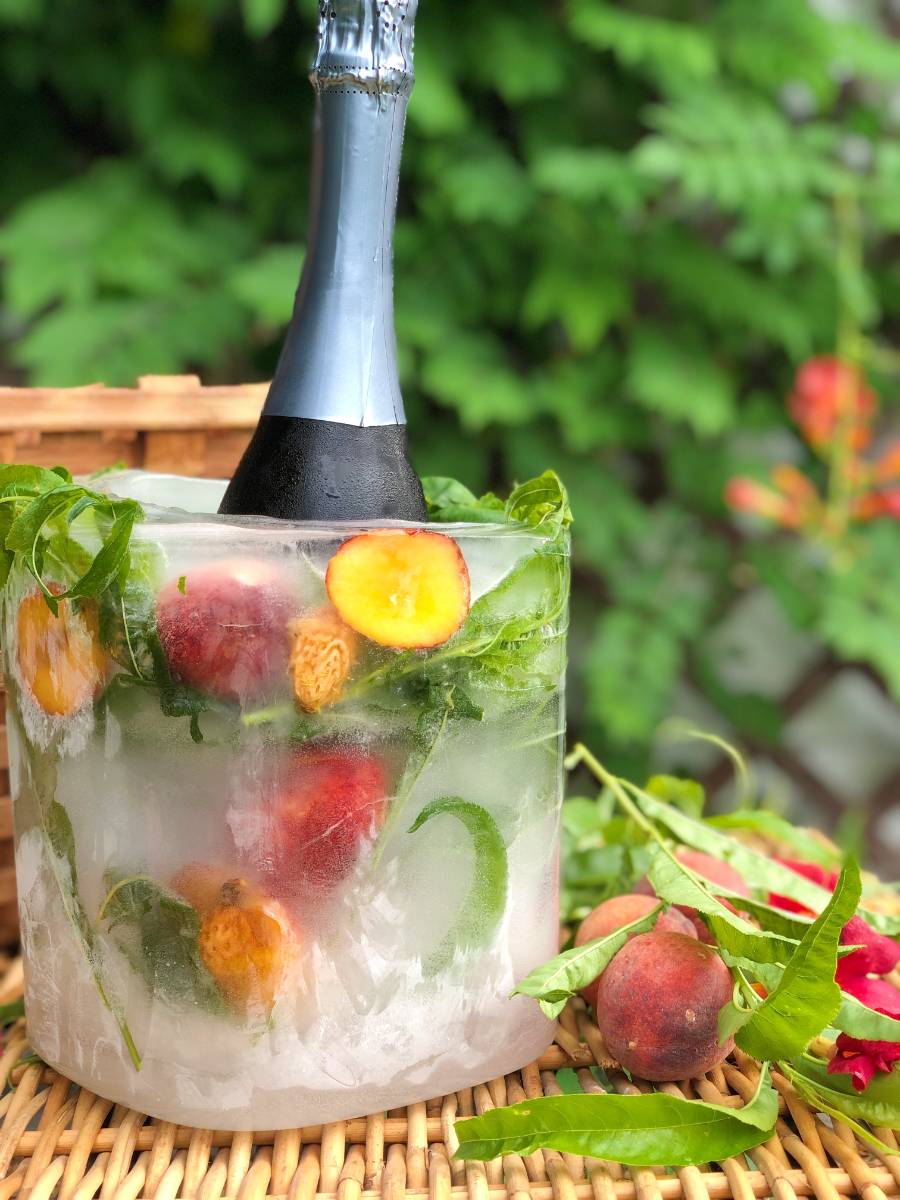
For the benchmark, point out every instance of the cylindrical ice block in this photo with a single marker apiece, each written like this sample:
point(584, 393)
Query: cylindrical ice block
point(286, 800)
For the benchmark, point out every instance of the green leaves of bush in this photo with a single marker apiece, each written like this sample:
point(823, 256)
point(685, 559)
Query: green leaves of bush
point(616, 238)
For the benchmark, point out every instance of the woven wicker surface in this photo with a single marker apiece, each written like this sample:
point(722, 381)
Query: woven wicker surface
point(57, 1139)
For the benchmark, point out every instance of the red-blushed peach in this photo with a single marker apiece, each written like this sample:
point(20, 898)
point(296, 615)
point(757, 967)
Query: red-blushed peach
point(658, 1005)
point(224, 628)
point(404, 588)
point(327, 804)
point(61, 660)
point(612, 914)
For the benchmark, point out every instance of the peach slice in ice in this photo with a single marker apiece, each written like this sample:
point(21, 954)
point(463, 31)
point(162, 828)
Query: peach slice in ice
point(405, 588)
point(60, 658)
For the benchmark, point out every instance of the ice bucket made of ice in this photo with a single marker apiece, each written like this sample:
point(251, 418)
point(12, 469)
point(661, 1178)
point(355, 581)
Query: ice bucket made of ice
point(272, 872)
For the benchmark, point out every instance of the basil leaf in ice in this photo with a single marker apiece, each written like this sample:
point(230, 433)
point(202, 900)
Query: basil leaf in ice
point(483, 908)
point(158, 933)
point(59, 837)
point(552, 983)
point(642, 1131)
point(448, 500)
point(807, 997)
point(128, 615)
point(438, 706)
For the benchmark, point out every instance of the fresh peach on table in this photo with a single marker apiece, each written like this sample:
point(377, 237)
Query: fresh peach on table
point(657, 1006)
point(619, 911)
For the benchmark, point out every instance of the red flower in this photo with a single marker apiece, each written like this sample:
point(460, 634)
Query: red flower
point(861, 1059)
point(829, 397)
point(858, 975)
point(878, 954)
point(873, 993)
point(746, 495)
point(877, 504)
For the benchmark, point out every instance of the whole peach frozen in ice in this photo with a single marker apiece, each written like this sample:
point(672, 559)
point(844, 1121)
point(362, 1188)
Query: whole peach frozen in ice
point(325, 805)
point(224, 628)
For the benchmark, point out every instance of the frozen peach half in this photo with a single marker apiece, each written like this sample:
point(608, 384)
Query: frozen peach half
point(61, 660)
point(404, 588)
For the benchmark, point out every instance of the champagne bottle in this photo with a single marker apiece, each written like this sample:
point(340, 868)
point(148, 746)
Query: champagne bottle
point(331, 441)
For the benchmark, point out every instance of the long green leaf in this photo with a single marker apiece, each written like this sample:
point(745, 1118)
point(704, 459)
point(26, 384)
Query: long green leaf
point(879, 1104)
point(108, 560)
point(649, 1130)
point(675, 882)
point(807, 997)
point(485, 904)
point(859, 1021)
point(763, 871)
point(770, 824)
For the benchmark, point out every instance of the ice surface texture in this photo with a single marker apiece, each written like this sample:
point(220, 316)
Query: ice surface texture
point(283, 915)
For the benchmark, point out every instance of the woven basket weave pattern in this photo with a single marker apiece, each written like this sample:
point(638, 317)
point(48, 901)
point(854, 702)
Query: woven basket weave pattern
point(57, 1139)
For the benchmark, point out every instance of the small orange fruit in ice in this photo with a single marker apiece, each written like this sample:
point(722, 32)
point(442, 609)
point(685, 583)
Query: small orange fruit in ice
point(61, 660)
point(247, 944)
point(405, 588)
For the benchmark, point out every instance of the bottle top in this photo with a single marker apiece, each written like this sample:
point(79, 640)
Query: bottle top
point(365, 45)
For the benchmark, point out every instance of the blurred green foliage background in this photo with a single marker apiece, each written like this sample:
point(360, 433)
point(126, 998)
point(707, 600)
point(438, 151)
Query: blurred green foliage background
point(622, 226)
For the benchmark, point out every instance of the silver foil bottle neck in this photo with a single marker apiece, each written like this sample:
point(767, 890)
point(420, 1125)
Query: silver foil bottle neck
point(366, 45)
point(339, 359)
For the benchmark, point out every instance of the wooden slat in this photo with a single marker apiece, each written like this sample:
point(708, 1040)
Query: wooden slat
point(7, 885)
point(6, 825)
point(153, 406)
point(183, 452)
